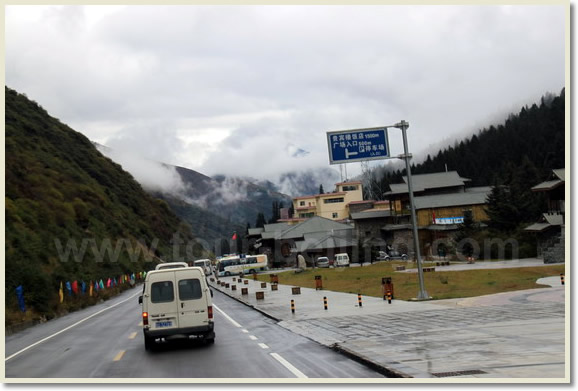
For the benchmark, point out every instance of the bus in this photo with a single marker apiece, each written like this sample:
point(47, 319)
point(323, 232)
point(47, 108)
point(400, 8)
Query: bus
point(205, 264)
point(233, 265)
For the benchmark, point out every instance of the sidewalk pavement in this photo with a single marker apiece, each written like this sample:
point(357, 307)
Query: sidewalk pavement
point(513, 335)
point(514, 263)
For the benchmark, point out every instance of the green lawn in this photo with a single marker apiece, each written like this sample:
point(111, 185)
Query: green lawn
point(439, 284)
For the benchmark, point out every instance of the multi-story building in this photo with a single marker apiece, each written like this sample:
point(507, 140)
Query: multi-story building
point(332, 206)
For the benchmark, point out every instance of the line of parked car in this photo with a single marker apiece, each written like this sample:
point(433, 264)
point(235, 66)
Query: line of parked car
point(343, 259)
point(340, 260)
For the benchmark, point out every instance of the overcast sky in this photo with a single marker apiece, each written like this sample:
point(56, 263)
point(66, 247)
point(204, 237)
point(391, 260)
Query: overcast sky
point(252, 90)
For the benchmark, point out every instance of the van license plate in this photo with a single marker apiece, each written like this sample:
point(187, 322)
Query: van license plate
point(164, 324)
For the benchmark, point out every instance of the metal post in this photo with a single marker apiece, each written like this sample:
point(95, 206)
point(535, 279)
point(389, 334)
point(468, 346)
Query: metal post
point(422, 294)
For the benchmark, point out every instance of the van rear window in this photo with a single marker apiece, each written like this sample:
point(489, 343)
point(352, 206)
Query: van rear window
point(162, 292)
point(190, 289)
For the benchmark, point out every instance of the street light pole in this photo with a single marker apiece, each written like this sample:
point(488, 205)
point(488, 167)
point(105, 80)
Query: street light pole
point(422, 294)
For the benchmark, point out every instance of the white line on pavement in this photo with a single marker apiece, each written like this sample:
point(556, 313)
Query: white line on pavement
point(227, 316)
point(253, 337)
point(263, 346)
point(288, 365)
point(69, 327)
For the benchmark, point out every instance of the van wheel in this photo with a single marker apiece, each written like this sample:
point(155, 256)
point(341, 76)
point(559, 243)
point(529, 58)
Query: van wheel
point(149, 343)
point(227, 274)
point(252, 271)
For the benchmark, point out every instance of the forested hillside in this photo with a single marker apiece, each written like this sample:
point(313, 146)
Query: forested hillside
point(512, 158)
point(72, 214)
point(535, 136)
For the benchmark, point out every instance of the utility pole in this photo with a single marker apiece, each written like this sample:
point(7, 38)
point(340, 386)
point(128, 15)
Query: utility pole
point(422, 294)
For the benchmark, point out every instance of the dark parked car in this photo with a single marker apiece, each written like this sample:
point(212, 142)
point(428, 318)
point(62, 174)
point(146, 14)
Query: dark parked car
point(391, 255)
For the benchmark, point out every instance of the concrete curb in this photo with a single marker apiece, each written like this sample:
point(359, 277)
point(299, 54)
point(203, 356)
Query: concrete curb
point(391, 373)
point(388, 372)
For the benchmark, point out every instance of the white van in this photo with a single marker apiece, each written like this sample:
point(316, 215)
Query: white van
point(341, 259)
point(170, 265)
point(205, 264)
point(176, 302)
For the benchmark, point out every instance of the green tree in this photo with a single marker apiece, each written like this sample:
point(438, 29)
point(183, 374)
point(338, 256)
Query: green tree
point(260, 223)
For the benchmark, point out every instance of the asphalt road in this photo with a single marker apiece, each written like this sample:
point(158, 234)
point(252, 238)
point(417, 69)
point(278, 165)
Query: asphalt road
point(106, 341)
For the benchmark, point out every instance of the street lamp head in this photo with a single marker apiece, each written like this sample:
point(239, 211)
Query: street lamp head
point(401, 125)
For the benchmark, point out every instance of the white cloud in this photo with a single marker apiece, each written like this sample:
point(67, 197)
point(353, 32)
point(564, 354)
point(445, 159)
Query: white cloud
point(150, 174)
point(233, 89)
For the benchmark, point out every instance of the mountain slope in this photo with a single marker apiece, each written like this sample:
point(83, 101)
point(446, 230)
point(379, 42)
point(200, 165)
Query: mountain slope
point(62, 196)
point(213, 207)
point(233, 199)
point(534, 136)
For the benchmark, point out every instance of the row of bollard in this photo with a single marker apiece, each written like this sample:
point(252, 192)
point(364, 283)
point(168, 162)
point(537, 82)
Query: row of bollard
point(326, 306)
point(386, 283)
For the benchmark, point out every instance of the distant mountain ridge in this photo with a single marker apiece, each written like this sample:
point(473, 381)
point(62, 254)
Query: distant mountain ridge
point(238, 200)
point(215, 208)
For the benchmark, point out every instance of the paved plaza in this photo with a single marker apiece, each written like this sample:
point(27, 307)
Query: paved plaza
point(513, 335)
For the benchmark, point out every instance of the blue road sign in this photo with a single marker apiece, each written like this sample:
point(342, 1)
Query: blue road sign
point(346, 146)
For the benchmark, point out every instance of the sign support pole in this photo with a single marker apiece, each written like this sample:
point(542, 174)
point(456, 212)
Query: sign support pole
point(422, 294)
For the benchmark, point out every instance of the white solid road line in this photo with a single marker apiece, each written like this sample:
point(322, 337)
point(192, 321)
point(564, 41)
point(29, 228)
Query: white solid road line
point(69, 327)
point(289, 366)
point(227, 316)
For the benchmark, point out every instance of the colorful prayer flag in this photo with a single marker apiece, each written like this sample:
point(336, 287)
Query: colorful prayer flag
point(20, 296)
point(61, 293)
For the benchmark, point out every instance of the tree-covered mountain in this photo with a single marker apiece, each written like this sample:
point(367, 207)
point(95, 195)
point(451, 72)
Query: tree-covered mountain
point(534, 138)
point(73, 214)
point(512, 158)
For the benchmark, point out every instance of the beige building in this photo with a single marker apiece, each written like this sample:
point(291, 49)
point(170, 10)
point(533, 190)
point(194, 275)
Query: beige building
point(332, 206)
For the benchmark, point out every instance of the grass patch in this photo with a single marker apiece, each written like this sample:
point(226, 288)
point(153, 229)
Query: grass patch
point(440, 285)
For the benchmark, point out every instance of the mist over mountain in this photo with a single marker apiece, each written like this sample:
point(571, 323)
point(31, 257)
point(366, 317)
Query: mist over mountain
point(301, 183)
point(214, 207)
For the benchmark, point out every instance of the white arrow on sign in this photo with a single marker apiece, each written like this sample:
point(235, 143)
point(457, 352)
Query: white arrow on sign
point(348, 154)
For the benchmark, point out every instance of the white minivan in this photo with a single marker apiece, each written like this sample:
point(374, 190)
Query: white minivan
point(341, 259)
point(176, 302)
point(205, 264)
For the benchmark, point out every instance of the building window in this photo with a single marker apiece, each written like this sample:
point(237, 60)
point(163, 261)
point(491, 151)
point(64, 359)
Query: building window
point(306, 215)
point(350, 188)
point(333, 200)
point(301, 203)
point(335, 215)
